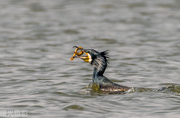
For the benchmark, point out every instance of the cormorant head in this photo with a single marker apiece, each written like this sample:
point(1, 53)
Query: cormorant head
point(92, 56)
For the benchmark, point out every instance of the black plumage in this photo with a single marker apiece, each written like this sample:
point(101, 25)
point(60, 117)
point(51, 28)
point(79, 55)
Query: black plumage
point(99, 62)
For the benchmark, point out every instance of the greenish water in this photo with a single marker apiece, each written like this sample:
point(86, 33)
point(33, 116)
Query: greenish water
point(36, 40)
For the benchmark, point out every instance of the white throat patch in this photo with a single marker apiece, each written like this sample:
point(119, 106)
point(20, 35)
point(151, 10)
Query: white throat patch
point(90, 59)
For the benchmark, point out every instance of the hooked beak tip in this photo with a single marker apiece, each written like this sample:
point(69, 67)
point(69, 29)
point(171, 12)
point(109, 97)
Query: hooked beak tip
point(79, 48)
point(75, 47)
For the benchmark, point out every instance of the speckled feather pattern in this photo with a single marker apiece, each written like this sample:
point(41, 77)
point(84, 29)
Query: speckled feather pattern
point(107, 88)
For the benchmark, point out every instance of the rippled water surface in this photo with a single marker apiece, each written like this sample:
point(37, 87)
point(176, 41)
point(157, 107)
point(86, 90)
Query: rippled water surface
point(143, 39)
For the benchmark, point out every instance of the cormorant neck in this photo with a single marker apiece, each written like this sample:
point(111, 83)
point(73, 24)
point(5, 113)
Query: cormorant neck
point(98, 72)
point(99, 65)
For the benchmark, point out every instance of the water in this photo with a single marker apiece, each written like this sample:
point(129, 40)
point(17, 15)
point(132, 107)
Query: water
point(36, 40)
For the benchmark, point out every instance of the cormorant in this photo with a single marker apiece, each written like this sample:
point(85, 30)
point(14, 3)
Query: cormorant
point(99, 62)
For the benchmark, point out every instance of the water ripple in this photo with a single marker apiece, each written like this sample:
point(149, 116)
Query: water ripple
point(36, 40)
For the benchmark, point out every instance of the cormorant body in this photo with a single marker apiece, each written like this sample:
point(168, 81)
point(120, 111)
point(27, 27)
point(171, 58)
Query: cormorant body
point(99, 62)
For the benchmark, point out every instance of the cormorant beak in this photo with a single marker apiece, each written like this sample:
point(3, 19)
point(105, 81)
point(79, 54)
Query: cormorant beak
point(86, 57)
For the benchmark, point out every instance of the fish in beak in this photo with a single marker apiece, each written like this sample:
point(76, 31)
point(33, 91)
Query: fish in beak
point(82, 54)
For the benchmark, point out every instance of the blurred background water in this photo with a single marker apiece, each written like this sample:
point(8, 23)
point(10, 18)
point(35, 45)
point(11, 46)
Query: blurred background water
point(36, 40)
